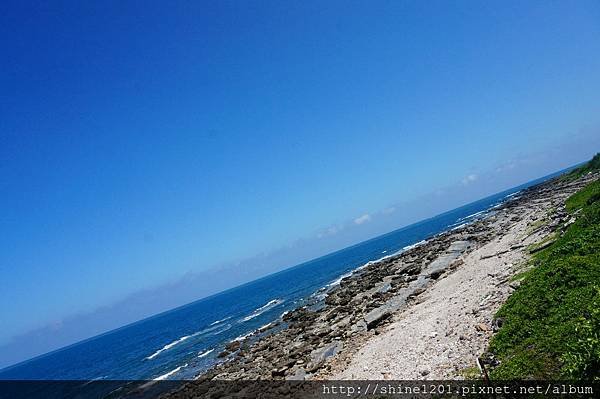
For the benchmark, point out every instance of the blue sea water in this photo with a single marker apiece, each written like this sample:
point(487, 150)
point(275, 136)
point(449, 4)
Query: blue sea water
point(185, 341)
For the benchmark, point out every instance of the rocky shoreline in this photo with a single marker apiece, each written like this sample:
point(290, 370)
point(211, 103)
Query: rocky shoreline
point(324, 340)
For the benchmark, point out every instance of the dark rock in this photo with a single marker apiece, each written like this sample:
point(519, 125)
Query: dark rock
point(233, 346)
point(497, 324)
point(278, 372)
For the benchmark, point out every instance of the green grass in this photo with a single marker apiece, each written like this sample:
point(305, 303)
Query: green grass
point(536, 225)
point(534, 246)
point(591, 166)
point(551, 324)
point(587, 196)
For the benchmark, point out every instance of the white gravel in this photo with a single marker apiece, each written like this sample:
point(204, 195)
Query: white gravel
point(450, 325)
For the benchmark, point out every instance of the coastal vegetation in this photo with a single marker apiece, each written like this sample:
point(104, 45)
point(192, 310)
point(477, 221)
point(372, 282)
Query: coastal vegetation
point(551, 323)
point(590, 166)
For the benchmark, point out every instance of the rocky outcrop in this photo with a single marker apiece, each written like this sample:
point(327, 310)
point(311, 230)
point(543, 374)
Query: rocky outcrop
point(306, 339)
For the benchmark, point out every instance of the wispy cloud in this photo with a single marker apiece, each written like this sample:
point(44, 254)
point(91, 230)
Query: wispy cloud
point(506, 166)
point(363, 219)
point(330, 231)
point(469, 179)
point(389, 210)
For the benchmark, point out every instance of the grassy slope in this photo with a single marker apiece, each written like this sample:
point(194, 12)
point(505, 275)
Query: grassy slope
point(551, 324)
point(592, 165)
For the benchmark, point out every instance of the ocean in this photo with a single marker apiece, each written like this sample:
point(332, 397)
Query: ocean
point(181, 343)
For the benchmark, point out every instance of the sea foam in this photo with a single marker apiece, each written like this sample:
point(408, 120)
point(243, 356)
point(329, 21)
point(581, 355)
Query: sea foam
point(220, 321)
point(263, 309)
point(168, 346)
point(205, 353)
point(170, 373)
point(186, 337)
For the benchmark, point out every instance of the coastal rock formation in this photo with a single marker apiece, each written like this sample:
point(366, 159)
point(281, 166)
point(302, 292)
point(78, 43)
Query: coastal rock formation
point(465, 272)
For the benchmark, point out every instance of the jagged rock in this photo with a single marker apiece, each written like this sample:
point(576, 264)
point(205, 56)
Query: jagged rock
point(343, 323)
point(377, 315)
point(318, 356)
point(364, 301)
point(233, 346)
point(298, 374)
point(359, 326)
point(383, 287)
point(322, 330)
point(280, 372)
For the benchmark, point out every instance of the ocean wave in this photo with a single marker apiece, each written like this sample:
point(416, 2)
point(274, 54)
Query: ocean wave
point(186, 337)
point(269, 305)
point(243, 336)
point(473, 215)
point(169, 346)
point(338, 280)
point(411, 246)
point(163, 377)
point(205, 353)
point(319, 295)
point(460, 226)
point(220, 321)
point(227, 327)
point(170, 373)
point(265, 327)
point(511, 195)
point(94, 380)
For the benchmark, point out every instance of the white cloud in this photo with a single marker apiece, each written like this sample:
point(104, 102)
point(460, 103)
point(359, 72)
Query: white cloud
point(363, 219)
point(469, 179)
point(389, 210)
point(332, 230)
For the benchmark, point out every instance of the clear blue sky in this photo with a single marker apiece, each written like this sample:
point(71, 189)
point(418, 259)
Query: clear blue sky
point(145, 144)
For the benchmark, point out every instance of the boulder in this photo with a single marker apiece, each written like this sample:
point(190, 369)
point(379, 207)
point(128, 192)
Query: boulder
point(319, 355)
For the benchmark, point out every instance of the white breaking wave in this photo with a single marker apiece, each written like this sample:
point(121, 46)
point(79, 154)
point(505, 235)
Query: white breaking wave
point(162, 377)
point(339, 280)
point(460, 226)
point(170, 373)
point(94, 380)
point(206, 353)
point(406, 248)
point(184, 338)
point(511, 195)
point(220, 321)
point(264, 308)
point(227, 327)
point(243, 337)
point(258, 330)
point(265, 327)
point(168, 346)
point(473, 215)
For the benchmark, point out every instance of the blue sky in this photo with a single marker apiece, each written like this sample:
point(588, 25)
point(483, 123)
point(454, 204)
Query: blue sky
point(142, 146)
